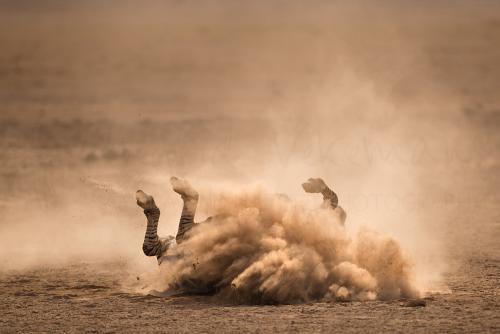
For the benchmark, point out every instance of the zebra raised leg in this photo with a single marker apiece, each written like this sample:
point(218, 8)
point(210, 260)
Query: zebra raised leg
point(330, 198)
point(152, 245)
point(190, 198)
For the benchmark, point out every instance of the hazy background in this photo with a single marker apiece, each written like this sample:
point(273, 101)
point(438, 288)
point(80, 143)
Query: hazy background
point(395, 104)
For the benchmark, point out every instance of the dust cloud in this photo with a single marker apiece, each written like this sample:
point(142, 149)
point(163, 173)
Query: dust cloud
point(385, 102)
point(264, 248)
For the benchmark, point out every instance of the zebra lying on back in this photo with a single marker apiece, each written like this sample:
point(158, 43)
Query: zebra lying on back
point(153, 245)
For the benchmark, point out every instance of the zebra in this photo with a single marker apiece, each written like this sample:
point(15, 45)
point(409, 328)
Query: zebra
point(153, 245)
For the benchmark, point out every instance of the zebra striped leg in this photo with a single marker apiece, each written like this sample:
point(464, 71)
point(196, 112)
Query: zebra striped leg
point(152, 245)
point(187, 216)
point(190, 197)
point(330, 198)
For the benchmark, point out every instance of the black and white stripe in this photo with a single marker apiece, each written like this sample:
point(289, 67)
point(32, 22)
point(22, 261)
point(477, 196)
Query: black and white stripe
point(187, 216)
point(330, 198)
point(152, 245)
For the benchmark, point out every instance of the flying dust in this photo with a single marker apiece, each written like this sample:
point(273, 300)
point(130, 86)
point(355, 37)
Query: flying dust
point(264, 248)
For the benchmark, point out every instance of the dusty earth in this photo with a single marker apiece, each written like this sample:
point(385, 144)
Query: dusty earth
point(395, 105)
point(90, 298)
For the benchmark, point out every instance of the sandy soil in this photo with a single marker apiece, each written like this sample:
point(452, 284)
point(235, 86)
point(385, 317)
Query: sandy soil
point(91, 298)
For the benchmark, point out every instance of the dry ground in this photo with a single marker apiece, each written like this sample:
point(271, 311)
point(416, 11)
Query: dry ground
point(90, 298)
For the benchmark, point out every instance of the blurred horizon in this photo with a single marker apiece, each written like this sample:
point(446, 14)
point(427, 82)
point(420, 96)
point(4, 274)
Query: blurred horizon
point(186, 60)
